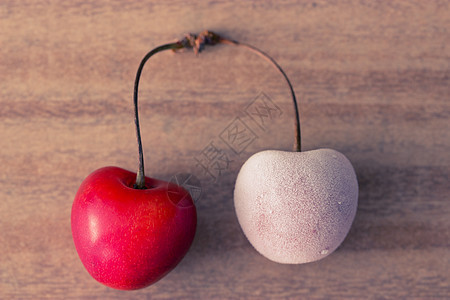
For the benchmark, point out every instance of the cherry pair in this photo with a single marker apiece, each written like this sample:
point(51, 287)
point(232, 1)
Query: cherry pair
point(294, 207)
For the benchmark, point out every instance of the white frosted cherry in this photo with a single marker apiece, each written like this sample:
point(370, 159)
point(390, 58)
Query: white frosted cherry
point(296, 207)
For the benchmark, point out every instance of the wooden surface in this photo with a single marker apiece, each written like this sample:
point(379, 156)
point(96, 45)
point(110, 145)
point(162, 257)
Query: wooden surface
point(373, 80)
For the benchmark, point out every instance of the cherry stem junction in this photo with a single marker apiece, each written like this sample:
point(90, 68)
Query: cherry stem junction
point(198, 43)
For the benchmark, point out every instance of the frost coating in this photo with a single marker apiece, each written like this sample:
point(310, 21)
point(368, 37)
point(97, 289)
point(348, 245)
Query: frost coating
point(296, 207)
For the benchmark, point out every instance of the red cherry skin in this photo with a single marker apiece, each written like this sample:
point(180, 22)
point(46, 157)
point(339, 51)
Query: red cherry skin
point(130, 238)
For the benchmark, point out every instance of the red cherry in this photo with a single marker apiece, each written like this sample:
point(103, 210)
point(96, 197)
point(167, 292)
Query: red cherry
point(129, 238)
point(130, 230)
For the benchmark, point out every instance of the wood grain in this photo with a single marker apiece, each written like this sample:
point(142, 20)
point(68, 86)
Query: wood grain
point(373, 79)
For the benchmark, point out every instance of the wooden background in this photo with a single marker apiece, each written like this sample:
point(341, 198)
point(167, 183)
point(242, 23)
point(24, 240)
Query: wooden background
point(373, 79)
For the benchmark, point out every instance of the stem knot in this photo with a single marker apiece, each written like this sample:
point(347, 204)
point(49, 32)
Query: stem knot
point(198, 42)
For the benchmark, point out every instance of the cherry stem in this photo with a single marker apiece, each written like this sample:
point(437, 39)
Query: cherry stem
point(297, 144)
point(140, 178)
point(197, 43)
